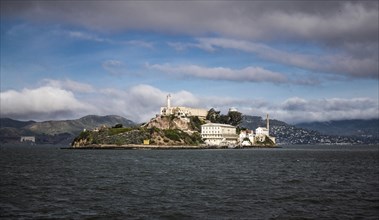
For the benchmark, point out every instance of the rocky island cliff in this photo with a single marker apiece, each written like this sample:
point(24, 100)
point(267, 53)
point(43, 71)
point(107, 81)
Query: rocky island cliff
point(161, 131)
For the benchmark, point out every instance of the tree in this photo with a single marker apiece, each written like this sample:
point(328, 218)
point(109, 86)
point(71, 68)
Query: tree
point(223, 119)
point(118, 126)
point(213, 115)
point(235, 118)
point(195, 123)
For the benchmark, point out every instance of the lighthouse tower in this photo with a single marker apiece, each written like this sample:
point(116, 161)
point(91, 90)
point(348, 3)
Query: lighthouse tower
point(168, 101)
point(268, 125)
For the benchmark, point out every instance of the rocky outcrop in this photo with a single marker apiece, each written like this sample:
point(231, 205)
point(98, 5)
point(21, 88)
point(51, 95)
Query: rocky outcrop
point(169, 122)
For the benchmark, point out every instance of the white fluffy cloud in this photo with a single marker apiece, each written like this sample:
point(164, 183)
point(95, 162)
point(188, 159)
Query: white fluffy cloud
point(142, 102)
point(42, 103)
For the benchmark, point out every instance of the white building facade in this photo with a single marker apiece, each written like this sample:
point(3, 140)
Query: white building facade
point(219, 134)
point(262, 131)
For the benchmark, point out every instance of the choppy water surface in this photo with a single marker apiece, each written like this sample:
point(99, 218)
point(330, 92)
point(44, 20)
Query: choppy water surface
point(288, 183)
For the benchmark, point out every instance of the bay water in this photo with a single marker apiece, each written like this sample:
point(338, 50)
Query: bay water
point(292, 182)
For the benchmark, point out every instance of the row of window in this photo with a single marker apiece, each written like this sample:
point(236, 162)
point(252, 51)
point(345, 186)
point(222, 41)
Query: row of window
point(213, 135)
point(211, 128)
point(211, 132)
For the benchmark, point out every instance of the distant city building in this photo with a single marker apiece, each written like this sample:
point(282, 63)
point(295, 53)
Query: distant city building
point(219, 134)
point(182, 111)
point(28, 139)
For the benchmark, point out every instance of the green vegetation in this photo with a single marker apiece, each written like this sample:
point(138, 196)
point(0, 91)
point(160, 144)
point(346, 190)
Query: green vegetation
point(233, 117)
point(174, 135)
point(123, 136)
point(196, 123)
point(114, 131)
point(181, 136)
point(84, 135)
point(213, 115)
point(117, 126)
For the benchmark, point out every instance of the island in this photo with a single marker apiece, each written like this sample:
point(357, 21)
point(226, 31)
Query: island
point(177, 127)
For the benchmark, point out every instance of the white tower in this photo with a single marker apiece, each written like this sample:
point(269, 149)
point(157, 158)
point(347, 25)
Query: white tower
point(268, 124)
point(168, 101)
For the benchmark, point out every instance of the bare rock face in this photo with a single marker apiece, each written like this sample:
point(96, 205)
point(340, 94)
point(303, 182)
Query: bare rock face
point(167, 122)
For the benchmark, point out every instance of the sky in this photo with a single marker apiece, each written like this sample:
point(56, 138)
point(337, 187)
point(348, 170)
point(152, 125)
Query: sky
point(299, 61)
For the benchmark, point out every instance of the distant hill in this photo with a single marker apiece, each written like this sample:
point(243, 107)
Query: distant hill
point(253, 122)
point(10, 123)
point(356, 127)
point(64, 131)
point(76, 126)
point(54, 132)
point(300, 134)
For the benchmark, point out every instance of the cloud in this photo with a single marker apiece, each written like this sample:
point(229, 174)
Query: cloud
point(248, 74)
point(81, 35)
point(140, 43)
point(300, 110)
point(142, 102)
point(347, 30)
point(70, 85)
point(86, 36)
point(295, 110)
point(45, 102)
point(341, 63)
point(180, 46)
point(114, 67)
point(355, 21)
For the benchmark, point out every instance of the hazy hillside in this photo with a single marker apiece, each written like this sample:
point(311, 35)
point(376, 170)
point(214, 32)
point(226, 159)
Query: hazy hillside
point(362, 128)
point(54, 132)
point(252, 122)
point(289, 134)
point(75, 126)
point(10, 123)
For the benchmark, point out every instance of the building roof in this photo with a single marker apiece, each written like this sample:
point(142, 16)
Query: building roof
point(218, 124)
